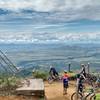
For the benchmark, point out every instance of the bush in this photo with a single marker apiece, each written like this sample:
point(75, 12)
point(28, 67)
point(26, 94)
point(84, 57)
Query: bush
point(8, 82)
point(98, 96)
point(72, 77)
point(39, 74)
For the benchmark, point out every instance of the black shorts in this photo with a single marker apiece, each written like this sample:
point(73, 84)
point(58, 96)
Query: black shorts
point(80, 88)
point(65, 85)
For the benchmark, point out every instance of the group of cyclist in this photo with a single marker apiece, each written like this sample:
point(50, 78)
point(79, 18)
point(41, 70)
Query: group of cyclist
point(54, 74)
point(81, 77)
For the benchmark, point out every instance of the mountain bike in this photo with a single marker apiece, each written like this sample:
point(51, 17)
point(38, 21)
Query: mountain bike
point(51, 79)
point(84, 96)
point(91, 93)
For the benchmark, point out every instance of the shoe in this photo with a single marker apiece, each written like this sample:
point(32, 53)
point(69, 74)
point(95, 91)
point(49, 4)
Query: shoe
point(64, 93)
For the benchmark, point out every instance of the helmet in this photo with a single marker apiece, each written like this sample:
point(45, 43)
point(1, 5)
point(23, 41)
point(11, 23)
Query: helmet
point(33, 70)
point(51, 67)
point(65, 71)
point(82, 65)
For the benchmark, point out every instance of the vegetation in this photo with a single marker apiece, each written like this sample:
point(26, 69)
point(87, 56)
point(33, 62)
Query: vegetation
point(97, 96)
point(8, 84)
point(72, 75)
point(40, 74)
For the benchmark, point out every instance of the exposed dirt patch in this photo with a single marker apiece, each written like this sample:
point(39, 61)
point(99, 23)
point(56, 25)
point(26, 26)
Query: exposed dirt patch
point(55, 91)
point(19, 98)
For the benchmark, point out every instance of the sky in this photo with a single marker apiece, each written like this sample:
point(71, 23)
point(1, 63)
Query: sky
point(36, 21)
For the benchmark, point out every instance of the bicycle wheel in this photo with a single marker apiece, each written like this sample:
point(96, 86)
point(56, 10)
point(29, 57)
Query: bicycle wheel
point(50, 80)
point(93, 97)
point(76, 97)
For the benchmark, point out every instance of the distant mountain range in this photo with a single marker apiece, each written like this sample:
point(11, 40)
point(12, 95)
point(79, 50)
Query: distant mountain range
point(41, 56)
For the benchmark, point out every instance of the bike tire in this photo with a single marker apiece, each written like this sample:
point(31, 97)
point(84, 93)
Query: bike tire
point(50, 80)
point(93, 97)
point(73, 97)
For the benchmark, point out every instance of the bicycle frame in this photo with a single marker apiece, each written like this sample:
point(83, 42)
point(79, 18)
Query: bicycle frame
point(52, 79)
point(83, 96)
point(89, 94)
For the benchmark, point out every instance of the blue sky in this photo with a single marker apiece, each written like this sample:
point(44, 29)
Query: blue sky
point(49, 20)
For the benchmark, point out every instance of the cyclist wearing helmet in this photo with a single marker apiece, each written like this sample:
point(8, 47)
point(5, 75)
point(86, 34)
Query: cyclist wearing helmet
point(80, 83)
point(83, 71)
point(53, 72)
point(98, 82)
point(65, 82)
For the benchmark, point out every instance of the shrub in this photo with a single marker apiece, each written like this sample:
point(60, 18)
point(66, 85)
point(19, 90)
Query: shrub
point(72, 77)
point(8, 82)
point(39, 74)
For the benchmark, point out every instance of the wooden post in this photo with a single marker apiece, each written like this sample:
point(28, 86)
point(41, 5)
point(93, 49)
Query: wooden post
point(69, 66)
point(88, 68)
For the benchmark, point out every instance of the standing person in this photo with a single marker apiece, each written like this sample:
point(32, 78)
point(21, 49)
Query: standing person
point(80, 79)
point(98, 82)
point(80, 83)
point(65, 82)
point(33, 73)
point(83, 71)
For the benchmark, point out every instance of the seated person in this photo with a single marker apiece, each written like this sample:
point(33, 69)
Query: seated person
point(53, 73)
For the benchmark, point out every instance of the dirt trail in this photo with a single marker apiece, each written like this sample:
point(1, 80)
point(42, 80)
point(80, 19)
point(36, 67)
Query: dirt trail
point(52, 91)
point(55, 91)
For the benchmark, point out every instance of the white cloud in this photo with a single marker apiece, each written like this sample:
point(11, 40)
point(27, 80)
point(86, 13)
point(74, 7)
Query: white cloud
point(15, 4)
point(66, 9)
point(49, 37)
point(60, 11)
point(48, 5)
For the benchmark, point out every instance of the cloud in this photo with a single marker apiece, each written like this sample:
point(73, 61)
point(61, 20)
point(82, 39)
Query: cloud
point(15, 4)
point(49, 37)
point(58, 9)
point(47, 5)
point(38, 5)
point(18, 17)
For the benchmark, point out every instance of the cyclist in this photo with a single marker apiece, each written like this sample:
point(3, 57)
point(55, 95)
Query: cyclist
point(65, 82)
point(53, 73)
point(80, 78)
point(79, 84)
point(33, 73)
point(83, 70)
point(98, 82)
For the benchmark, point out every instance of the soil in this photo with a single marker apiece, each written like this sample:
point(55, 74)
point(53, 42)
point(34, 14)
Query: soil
point(55, 91)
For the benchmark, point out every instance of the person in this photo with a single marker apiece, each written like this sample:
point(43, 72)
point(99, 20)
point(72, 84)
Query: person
point(80, 83)
point(53, 73)
point(33, 72)
point(98, 82)
point(65, 82)
point(83, 71)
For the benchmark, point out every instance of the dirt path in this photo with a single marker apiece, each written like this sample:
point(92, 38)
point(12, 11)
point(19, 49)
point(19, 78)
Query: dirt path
point(52, 91)
point(55, 91)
